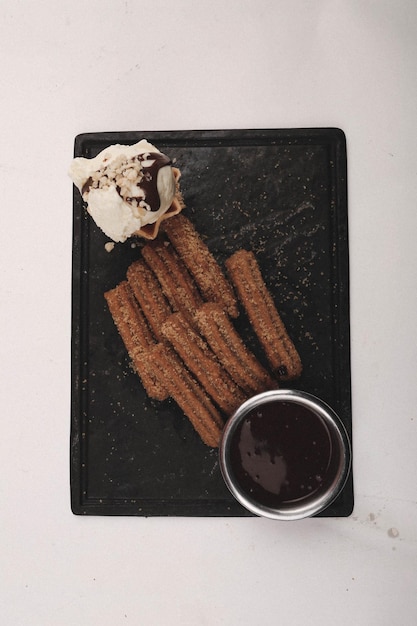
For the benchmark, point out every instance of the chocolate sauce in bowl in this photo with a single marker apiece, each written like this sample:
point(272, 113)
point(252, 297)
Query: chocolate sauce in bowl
point(281, 452)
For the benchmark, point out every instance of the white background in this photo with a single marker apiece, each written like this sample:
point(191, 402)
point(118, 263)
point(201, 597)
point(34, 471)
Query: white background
point(79, 66)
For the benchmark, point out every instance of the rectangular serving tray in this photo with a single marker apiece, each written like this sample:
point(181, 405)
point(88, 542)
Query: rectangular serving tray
point(281, 193)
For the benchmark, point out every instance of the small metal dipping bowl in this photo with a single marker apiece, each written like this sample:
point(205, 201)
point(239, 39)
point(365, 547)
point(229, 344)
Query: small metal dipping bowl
point(340, 446)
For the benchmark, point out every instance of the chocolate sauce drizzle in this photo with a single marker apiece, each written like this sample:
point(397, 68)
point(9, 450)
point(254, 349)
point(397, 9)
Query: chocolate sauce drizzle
point(148, 182)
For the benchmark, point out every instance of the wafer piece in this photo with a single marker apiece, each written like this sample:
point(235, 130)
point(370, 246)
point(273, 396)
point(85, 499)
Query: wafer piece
point(229, 348)
point(253, 293)
point(136, 336)
point(201, 263)
point(148, 293)
point(188, 394)
point(201, 361)
point(173, 276)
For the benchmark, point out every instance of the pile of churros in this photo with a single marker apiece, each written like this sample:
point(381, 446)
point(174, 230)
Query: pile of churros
point(175, 313)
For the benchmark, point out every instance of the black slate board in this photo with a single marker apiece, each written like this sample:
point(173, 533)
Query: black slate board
point(281, 193)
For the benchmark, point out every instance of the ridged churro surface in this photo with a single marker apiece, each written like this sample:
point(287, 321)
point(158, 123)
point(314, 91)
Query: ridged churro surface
point(188, 394)
point(201, 263)
point(231, 351)
point(173, 276)
point(147, 291)
point(136, 336)
point(253, 293)
point(202, 362)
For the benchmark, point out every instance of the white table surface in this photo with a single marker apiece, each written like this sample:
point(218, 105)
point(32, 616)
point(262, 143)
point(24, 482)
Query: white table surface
point(79, 66)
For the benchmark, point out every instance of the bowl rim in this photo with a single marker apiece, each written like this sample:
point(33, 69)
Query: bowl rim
point(314, 505)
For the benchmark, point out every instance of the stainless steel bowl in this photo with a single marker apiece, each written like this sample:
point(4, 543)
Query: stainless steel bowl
point(340, 452)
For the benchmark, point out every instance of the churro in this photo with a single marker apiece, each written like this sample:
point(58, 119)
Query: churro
point(173, 276)
point(253, 293)
point(201, 263)
point(202, 363)
point(148, 293)
point(188, 394)
point(136, 336)
point(222, 337)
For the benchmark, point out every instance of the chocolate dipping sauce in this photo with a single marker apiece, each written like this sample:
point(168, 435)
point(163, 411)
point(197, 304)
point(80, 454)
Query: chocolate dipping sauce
point(281, 452)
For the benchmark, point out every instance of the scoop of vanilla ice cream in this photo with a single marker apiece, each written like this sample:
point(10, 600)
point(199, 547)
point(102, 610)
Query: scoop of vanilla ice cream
point(125, 187)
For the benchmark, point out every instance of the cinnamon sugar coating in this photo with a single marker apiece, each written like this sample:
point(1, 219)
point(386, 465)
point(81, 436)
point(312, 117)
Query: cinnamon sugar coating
point(201, 264)
point(231, 351)
point(253, 293)
point(188, 394)
point(201, 361)
point(136, 336)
